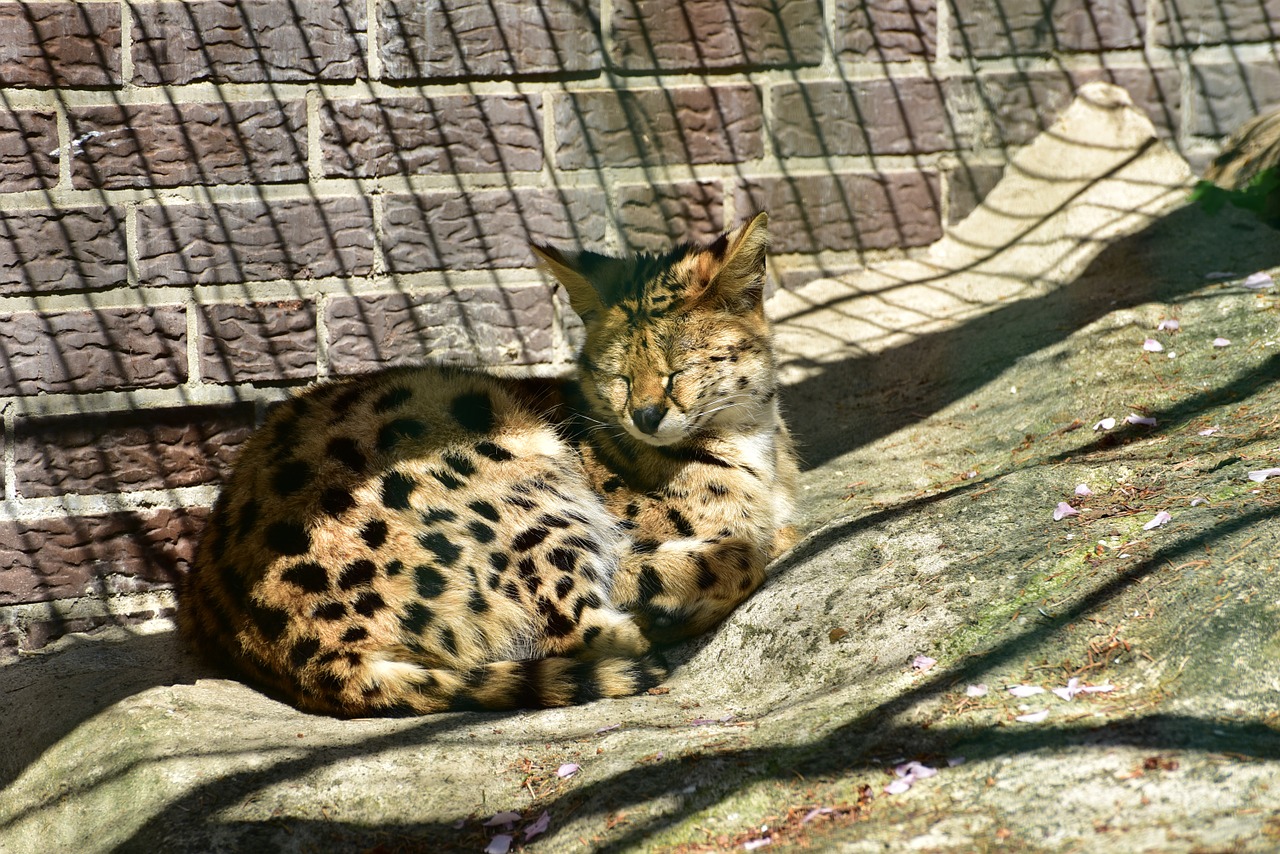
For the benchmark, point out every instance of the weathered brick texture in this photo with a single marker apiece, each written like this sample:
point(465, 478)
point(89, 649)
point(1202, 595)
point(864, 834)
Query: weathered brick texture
point(59, 44)
point(168, 145)
point(654, 216)
point(95, 556)
point(92, 349)
point(28, 149)
point(814, 213)
point(61, 249)
point(886, 30)
point(1226, 95)
point(648, 127)
point(838, 117)
point(480, 38)
point(485, 229)
point(248, 41)
point(1202, 22)
point(471, 325)
point(126, 451)
point(994, 28)
point(712, 34)
point(453, 134)
point(259, 342)
point(184, 244)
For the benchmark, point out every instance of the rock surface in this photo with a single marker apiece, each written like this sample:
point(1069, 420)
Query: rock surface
point(945, 406)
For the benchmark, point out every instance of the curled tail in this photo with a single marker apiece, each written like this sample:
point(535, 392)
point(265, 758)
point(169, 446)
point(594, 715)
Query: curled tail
point(395, 688)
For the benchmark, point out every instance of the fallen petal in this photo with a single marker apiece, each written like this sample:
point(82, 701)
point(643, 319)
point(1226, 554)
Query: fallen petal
point(609, 728)
point(1262, 474)
point(1033, 717)
point(499, 844)
point(1025, 690)
point(568, 769)
point(1160, 518)
point(1132, 418)
point(503, 818)
point(1151, 345)
point(1222, 342)
point(979, 690)
point(1168, 326)
point(1196, 502)
point(955, 761)
point(538, 827)
point(814, 813)
point(923, 663)
point(1097, 689)
point(1209, 431)
point(1104, 424)
point(1069, 692)
point(1219, 275)
point(897, 787)
point(1083, 490)
point(1064, 510)
point(915, 770)
point(753, 844)
point(1258, 281)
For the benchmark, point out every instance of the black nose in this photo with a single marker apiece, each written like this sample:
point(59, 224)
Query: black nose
point(647, 418)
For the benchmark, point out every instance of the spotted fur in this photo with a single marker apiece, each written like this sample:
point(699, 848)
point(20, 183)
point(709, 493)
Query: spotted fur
point(429, 538)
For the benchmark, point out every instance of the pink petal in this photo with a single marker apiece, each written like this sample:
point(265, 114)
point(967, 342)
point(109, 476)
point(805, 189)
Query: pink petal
point(1160, 518)
point(1196, 502)
point(814, 813)
point(1209, 431)
point(499, 844)
point(503, 818)
point(1219, 275)
point(1262, 474)
point(1131, 418)
point(1258, 281)
point(915, 771)
point(609, 728)
point(897, 787)
point(1069, 692)
point(1222, 342)
point(978, 690)
point(1021, 691)
point(923, 663)
point(1104, 424)
point(1097, 689)
point(1168, 326)
point(1064, 510)
point(1083, 491)
point(538, 827)
point(1033, 717)
point(568, 769)
point(1151, 345)
point(753, 844)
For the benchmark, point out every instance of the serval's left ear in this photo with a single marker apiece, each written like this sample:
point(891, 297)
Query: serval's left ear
point(733, 267)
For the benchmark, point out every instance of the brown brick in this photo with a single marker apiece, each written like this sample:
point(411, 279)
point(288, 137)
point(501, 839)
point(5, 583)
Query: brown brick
point(967, 186)
point(59, 44)
point(649, 127)
point(713, 34)
point(996, 28)
point(1225, 96)
point(258, 342)
point(835, 117)
point(886, 30)
point(49, 249)
point(484, 229)
point(184, 243)
point(651, 217)
point(447, 134)
point(846, 212)
point(28, 149)
point(92, 350)
point(167, 145)
point(121, 452)
point(248, 41)
point(478, 325)
point(1199, 22)
point(1002, 109)
point(480, 38)
point(99, 556)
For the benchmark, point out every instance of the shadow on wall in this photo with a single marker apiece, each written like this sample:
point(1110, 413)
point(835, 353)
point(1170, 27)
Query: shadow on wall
point(261, 195)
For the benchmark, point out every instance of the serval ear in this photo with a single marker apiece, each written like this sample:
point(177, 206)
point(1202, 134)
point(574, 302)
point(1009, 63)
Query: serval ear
point(733, 266)
point(587, 277)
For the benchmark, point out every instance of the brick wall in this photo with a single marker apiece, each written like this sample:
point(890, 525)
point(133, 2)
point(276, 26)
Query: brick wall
point(204, 203)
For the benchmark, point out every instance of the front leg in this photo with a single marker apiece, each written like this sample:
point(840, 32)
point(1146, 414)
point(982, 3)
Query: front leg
point(683, 587)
